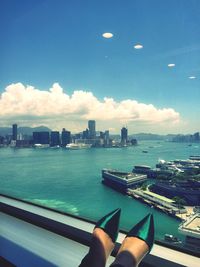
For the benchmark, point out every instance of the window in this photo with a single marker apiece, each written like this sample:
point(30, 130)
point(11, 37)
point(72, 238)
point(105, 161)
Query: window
point(93, 85)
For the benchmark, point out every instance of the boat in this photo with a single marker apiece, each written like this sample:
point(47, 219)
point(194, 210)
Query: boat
point(55, 147)
point(41, 145)
point(171, 238)
point(74, 146)
point(194, 157)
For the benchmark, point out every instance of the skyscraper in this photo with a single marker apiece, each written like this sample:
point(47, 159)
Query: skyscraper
point(65, 137)
point(124, 136)
point(86, 134)
point(106, 138)
point(55, 138)
point(41, 138)
point(92, 129)
point(14, 132)
point(196, 137)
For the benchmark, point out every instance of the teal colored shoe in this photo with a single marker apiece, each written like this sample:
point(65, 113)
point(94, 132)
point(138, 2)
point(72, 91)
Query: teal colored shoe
point(144, 230)
point(110, 224)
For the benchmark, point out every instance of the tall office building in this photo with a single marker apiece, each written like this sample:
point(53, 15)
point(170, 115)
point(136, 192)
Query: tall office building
point(124, 136)
point(41, 138)
point(106, 138)
point(196, 137)
point(55, 138)
point(92, 129)
point(14, 132)
point(65, 137)
point(86, 134)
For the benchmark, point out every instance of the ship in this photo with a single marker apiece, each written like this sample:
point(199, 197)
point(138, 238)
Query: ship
point(74, 146)
point(41, 145)
point(195, 157)
point(122, 181)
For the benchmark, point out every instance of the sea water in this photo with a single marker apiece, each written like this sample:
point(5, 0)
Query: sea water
point(70, 180)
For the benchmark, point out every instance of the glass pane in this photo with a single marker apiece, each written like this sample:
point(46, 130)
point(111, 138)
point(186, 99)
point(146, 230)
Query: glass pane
point(89, 85)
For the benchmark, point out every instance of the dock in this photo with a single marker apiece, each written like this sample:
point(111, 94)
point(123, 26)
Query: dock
point(157, 201)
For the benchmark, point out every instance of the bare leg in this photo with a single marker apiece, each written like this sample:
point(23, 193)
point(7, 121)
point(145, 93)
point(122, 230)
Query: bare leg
point(131, 252)
point(100, 249)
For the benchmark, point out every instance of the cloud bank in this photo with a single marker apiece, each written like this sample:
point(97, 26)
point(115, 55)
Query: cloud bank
point(55, 108)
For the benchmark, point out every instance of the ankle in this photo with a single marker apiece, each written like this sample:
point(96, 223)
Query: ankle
point(135, 248)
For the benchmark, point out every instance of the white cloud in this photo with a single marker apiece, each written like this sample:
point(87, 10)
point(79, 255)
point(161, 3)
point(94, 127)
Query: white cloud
point(171, 65)
point(55, 108)
point(107, 35)
point(138, 46)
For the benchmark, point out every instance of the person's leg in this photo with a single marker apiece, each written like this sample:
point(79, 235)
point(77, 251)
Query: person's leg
point(100, 249)
point(136, 244)
point(131, 252)
point(103, 239)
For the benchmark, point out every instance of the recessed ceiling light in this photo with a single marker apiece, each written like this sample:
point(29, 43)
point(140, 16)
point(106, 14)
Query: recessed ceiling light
point(107, 35)
point(192, 77)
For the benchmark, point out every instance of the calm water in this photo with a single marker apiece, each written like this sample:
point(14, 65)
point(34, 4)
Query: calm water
point(70, 180)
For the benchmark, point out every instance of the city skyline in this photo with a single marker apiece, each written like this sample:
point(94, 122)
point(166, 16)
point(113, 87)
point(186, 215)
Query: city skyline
point(133, 64)
point(45, 137)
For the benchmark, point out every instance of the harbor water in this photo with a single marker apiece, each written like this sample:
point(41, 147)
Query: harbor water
point(70, 180)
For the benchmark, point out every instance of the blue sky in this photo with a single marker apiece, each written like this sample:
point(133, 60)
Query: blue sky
point(47, 41)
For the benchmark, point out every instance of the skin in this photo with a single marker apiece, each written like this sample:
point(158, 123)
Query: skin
point(101, 247)
point(136, 247)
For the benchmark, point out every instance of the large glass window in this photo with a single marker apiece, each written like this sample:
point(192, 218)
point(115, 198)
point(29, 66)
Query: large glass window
point(93, 85)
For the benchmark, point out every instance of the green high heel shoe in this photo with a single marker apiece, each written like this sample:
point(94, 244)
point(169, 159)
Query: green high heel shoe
point(144, 230)
point(110, 224)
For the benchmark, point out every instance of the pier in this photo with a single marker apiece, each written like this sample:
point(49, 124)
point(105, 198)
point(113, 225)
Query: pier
point(157, 201)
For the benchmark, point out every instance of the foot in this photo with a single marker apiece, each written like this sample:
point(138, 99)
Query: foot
point(132, 251)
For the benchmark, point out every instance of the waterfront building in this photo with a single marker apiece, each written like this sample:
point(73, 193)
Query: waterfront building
point(124, 136)
point(190, 138)
point(159, 202)
point(122, 181)
point(20, 136)
point(27, 137)
point(2, 140)
point(77, 136)
point(41, 138)
point(106, 138)
point(188, 191)
point(23, 143)
point(55, 138)
point(92, 129)
point(86, 134)
point(65, 137)
point(14, 132)
point(133, 142)
point(191, 229)
point(196, 137)
point(101, 135)
point(141, 169)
